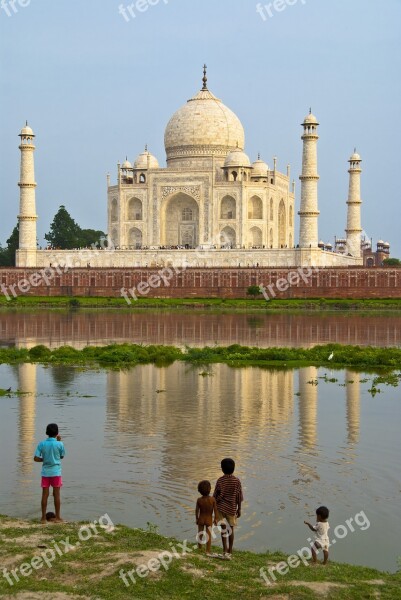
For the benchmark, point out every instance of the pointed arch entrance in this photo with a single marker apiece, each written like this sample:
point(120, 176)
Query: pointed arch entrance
point(180, 221)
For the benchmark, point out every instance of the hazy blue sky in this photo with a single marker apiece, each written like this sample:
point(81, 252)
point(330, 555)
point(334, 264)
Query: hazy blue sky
point(95, 87)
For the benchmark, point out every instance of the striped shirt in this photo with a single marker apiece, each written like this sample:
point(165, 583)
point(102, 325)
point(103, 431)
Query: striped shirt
point(228, 494)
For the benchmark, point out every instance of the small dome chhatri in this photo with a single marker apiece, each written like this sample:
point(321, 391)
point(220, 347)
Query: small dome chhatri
point(310, 119)
point(146, 160)
point(237, 158)
point(355, 157)
point(26, 130)
point(126, 164)
point(259, 168)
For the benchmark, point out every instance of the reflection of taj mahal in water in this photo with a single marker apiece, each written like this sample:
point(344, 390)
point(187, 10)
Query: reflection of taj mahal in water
point(210, 197)
point(254, 402)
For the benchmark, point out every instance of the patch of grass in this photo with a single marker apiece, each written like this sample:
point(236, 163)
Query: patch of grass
point(249, 304)
point(91, 569)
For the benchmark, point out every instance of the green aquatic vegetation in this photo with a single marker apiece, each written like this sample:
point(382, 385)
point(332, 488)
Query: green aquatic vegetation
point(10, 393)
point(392, 379)
point(378, 360)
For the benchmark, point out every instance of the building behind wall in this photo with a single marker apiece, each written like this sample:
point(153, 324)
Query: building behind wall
point(210, 206)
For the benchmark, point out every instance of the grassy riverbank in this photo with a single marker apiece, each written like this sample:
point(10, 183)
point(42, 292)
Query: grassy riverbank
point(221, 304)
point(125, 355)
point(90, 569)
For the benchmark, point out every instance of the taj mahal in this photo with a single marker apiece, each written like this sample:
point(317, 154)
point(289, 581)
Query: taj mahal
point(209, 207)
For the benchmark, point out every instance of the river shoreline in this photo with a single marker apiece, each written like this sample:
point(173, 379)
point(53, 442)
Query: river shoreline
point(96, 560)
point(352, 306)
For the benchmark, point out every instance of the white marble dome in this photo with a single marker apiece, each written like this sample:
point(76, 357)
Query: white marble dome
point(310, 119)
point(237, 158)
point(142, 161)
point(204, 126)
point(260, 168)
point(26, 130)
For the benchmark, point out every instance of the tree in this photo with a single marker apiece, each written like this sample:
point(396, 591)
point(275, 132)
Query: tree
point(90, 236)
point(66, 234)
point(4, 257)
point(7, 254)
point(64, 231)
point(13, 244)
point(391, 262)
point(253, 290)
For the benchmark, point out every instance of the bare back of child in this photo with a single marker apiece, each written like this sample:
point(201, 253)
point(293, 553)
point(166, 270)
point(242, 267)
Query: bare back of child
point(206, 512)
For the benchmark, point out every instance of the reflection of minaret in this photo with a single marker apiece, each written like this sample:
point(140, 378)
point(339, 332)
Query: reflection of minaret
point(353, 406)
point(27, 410)
point(308, 401)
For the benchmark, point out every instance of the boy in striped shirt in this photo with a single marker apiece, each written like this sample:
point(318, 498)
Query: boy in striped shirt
point(229, 497)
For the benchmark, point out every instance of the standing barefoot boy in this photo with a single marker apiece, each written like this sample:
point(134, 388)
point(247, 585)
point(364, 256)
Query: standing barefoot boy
point(50, 452)
point(228, 494)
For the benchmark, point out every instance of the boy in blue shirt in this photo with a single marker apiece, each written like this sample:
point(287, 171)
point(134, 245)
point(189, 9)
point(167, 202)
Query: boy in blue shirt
point(50, 452)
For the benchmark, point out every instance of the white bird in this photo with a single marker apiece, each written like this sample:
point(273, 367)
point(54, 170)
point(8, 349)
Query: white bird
point(331, 356)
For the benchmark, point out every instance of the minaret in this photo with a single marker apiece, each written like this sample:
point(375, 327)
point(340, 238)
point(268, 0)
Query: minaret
point(354, 229)
point(309, 213)
point(26, 255)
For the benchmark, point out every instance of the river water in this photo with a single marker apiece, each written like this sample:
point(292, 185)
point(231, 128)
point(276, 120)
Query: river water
point(138, 441)
point(80, 328)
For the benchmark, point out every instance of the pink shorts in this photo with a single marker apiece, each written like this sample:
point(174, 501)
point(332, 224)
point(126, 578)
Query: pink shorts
point(56, 482)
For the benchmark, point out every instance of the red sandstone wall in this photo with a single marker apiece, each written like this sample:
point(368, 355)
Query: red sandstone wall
point(358, 282)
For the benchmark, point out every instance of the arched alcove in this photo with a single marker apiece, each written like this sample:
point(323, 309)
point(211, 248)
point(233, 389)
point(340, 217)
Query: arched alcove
point(256, 237)
point(255, 210)
point(228, 237)
point(228, 208)
point(135, 210)
point(282, 229)
point(114, 237)
point(135, 238)
point(114, 210)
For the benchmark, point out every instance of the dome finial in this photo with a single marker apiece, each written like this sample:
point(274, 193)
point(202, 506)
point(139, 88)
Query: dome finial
point(26, 123)
point(310, 110)
point(204, 77)
point(258, 155)
point(355, 150)
point(146, 147)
